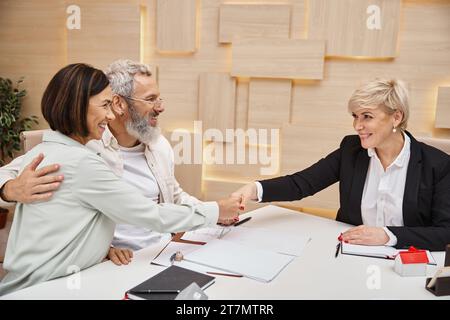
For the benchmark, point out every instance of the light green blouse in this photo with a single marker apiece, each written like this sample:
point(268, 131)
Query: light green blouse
point(75, 228)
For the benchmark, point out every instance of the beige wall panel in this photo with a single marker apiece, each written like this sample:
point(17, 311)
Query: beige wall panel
point(443, 108)
point(254, 20)
point(298, 19)
point(32, 45)
point(304, 145)
point(217, 95)
point(346, 26)
point(176, 25)
point(259, 162)
point(109, 31)
point(278, 58)
point(269, 103)
point(242, 90)
point(189, 174)
point(180, 94)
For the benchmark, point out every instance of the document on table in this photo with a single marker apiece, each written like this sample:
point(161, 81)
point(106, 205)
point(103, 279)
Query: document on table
point(265, 239)
point(163, 259)
point(206, 234)
point(233, 257)
point(280, 242)
point(376, 251)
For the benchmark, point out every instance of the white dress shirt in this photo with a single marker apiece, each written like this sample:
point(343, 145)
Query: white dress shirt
point(382, 199)
point(136, 172)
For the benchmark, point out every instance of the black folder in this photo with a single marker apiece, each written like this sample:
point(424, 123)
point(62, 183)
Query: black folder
point(171, 279)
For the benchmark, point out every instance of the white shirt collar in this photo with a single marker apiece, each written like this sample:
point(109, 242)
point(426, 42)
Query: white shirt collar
point(108, 139)
point(402, 156)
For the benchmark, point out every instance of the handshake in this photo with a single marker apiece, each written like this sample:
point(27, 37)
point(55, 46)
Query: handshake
point(229, 208)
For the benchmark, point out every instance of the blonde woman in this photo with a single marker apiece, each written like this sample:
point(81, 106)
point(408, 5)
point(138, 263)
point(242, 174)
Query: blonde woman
point(395, 189)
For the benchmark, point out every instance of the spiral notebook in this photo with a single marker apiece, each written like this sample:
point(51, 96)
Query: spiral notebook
point(171, 279)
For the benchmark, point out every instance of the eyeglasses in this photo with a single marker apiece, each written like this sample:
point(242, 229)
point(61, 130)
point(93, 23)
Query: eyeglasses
point(156, 102)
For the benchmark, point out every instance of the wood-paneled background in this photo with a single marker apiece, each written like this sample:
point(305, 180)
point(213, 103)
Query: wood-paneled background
point(287, 64)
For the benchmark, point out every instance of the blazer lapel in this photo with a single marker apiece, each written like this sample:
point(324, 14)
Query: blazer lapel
point(359, 178)
point(413, 176)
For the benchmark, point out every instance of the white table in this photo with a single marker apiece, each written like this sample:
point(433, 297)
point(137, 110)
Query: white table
point(316, 274)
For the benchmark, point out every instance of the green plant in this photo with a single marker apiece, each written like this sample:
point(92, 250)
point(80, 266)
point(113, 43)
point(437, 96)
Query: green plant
point(11, 125)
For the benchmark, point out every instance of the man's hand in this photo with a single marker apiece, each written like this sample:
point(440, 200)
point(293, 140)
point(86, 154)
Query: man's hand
point(371, 236)
point(246, 193)
point(120, 256)
point(228, 210)
point(33, 185)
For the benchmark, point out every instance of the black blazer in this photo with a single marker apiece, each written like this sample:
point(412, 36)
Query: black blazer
point(426, 200)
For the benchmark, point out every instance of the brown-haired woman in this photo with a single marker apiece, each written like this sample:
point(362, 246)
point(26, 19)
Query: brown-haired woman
point(75, 228)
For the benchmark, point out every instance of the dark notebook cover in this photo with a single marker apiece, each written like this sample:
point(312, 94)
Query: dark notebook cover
point(172, 278)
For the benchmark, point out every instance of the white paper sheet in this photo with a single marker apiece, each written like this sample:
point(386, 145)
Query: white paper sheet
point(232, 257)
point(206, 234)
point(265, 239)
point(185, 248)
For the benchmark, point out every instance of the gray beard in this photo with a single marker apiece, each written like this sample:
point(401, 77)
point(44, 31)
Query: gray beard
point(139, 127)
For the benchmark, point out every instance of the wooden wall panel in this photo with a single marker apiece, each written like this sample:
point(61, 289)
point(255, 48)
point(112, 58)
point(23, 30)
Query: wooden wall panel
point(180, 94)
point(304, 145)
point(254, 20)
point(217, 95)
point(264, 167)
point(176, 25)
point(348, 26)
point(278, 58)
point(269, 103)
point(32, 45)
point(189, 174)
point(443, 108)
point(242, 92)
point(109, 31)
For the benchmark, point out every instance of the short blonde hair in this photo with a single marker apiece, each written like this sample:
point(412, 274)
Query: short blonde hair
point(390, 95)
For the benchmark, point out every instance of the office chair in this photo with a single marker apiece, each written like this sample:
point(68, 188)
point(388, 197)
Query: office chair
point(30, 138)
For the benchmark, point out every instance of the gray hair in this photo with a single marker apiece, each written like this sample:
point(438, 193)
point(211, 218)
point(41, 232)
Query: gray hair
point(121, 73)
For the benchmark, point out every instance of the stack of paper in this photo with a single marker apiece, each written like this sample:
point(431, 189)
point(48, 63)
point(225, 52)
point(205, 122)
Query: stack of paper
point(264, 239)
point(255, 253)
point(163, 259)
point(232, 257)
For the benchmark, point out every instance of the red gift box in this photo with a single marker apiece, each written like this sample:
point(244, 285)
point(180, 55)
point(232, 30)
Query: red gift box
point(413, 255)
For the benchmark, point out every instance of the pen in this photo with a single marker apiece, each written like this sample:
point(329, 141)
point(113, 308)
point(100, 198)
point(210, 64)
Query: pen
point(225, 274)
point(337, 249)
point(154, 291)
point(242, 221)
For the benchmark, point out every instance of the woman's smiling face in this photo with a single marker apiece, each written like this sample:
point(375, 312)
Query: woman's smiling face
point(373, 125)
point(99, 114)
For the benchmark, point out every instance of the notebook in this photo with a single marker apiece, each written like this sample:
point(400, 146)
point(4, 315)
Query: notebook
point(171, 279)
point(384, 252)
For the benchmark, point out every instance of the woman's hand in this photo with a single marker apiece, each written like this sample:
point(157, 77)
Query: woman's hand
point(371, 236)
point(120, 256)
point(246, 193)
